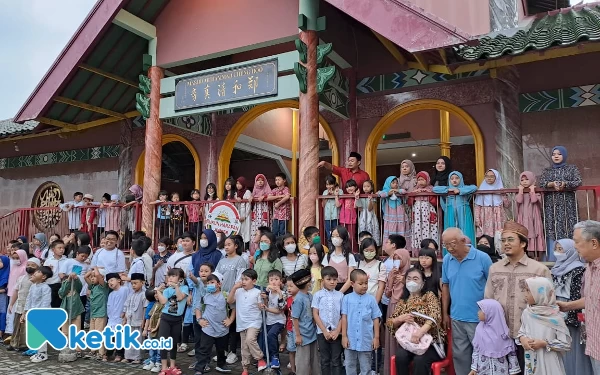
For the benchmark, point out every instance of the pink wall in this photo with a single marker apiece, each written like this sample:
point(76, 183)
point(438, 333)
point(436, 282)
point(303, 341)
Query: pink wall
point(470, 16)
point(187, 29)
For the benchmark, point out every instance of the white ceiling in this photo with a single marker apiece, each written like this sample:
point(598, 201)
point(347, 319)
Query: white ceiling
point(424, 150)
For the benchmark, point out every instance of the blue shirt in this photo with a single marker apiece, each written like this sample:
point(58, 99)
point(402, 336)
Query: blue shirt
point(148, 309)
point(466, 280)
point(329, 304)
point(361, 310)
point(174, 307)
point(301, 310)
point(215, 311)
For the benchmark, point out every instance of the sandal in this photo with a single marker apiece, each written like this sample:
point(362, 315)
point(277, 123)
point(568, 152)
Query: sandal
point(182, 348)
point(117, 359)
point(135, 362)
point(102, 358)
point(175, 371)
point(125, 361)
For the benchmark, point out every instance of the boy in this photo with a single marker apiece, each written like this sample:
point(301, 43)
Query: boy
point(17, 305)
point(39, 297)
point(73, 210)
point(151, 324)
point(364, 234)
point(311, 234)
point(55, 261)
point(133, 314)
point(275, 317)
point(98, 299)
point(304, 327)
point(69, 293)
point(80, 266)
point(327, 312)
point(115, 305)
point(359, 307)
point(281, 208)
point(292, 291)
point(194, 302)
point(159, 271)
point(248, 318)
point(138, 248)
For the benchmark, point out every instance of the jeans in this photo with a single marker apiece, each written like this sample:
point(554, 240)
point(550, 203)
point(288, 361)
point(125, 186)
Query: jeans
point(331, 355)
point(154, 356)
point(596, 366)
point(279, 227)
point(421, 363)
point(356, 360)
point(291, 341)
point(273, 331)
point(329, 227)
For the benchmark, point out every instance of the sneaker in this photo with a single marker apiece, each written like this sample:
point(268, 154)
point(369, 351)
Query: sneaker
point(215, 357)
point(192, 353)
point(148, 361)
point(289, 366)
point(86, 325)
point(157, 367)
point(30, 352)
point(275, 362)
point(39, 357)
point(148, 366)
point(262, 364)
point(10, 348)
point(206, 368)
point(231, 358)
point(223, 369)
point(193, 365)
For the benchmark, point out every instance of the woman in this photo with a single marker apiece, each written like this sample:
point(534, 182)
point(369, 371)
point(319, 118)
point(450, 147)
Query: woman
point(341, 258)
point(267, 259)
point(560, 207)
point(207, 252)
point(417, 298)
point(489, 208)
point(40, 246)
point(290, 256)
point(567, 276)
point(243, 196)
point(18, 264)
point(443, 167)
point(137, 192)
point(485, 243)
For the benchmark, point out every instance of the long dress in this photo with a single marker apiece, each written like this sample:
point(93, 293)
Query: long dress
point(245, 212)
point(395, 220)
point(367, 220)
point(490, 219)
point(425, 219)
point(529, 214)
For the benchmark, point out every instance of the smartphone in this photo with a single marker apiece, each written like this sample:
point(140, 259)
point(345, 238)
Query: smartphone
point(397, 263)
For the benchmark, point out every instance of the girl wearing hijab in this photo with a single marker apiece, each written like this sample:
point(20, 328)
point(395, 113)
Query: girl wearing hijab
point(489, 208)
point(424, 213)
point(41, 248)
point(137, 192)
point(395, 220)
point(493, 350)
point(18, 264)
point(4, 273)
point(207, 252)
point(244, 207)
point(567, 276)
point(560, 207)
point(260, 211)
point(407, 182)
point(457, 210)
point(529, 211)
point(443, 167)
point(543, 334)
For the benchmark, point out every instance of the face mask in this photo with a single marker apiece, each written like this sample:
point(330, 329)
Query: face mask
point(397, 263)
point(291, 248)
point(413, 287)
point(317, 239)
point(211, 288)
point(369, 255)
point(203, 243)
point(306, 247)
point(180, 247)
point(264, 246)
point(15, 262)
point(30, 270)
point(336, 241)
point(162, 248)
point(314, 258)
point(560, 256)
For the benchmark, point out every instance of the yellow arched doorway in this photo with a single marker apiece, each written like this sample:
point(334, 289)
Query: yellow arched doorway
point(251, 115)
point(167, 138)
point(417, 105)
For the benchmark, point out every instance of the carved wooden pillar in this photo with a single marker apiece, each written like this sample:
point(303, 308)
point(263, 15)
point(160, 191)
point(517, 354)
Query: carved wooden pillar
point(351, 125)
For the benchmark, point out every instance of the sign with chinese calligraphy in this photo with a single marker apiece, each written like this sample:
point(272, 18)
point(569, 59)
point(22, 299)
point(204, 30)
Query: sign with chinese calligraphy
point(223, 217)
point(237, 84)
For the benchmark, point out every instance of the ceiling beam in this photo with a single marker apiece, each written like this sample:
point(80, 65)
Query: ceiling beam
point(421, 60)
point(102, 73)
point(89, 107)
point(135, 24)
point(391, 47)
point(57, 123)
point(106, 120)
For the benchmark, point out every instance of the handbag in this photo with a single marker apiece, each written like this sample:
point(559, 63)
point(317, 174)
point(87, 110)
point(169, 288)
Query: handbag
point(439, 344)
point(404, 334)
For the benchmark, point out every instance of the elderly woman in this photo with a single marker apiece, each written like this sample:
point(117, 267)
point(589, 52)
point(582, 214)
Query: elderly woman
point(417, 298)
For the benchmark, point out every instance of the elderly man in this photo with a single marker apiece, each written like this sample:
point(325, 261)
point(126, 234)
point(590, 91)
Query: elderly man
point(506, 282)
point(464, 274)
point(351, 172)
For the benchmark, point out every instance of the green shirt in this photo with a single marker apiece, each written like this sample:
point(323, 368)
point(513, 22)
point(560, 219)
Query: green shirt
point(262, 268)
point(71, 302)
point(98, 300)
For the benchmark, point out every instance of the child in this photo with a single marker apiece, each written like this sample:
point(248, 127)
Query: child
point(282, 207)
point(151, 324)
point(309, 236)
point(248, 318)
point(428, 263)
point(362, 235)
point(347, 207)
point(493, 349)
point(394, 219)
point(292, 291)
point(163, 214)
point(89, 216)
point(130, 208)
point(243, 196)
point(543, 334)
point(327, 313)
point(133, 315)
point(159, 271)
point(407, 182)
point(260, 211)
point(194, 213)
point(55, 261)
point(98, 305)
point(72, 208)
point(315, 259)
point(115, 305)
point(529, 212)
point(39, 298)
point(177, 216)
point(173, 298)
point(341, 258)
point(424, 211)
point(79, 266)
point(197, 291)
point(211, 314)
point(358, 308)
point(304, 327)
point(210, 195)
point(113, 214)
point(331, 213)
point(367, 218)
point(275, 305)
point(489, 208)
point(373, 268)
point(4, 275)
point(102, 215)
point(71, 302)
point(457, 210)
point(17, 303)
point(291, 258)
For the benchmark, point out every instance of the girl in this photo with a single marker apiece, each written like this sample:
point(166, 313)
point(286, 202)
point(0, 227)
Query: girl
point(489, 208)
point(407, 180)
point(267, 259)
point(331, 212)
point(174, 299)
point(210, 195)
point(282, 207)
point(430, 244)
point(260, 212)
point(315, 255)
point(244, 205)
point(177, 216)
point(39, 246)
point(163, 214)
point(429, 265)
point(529, 211)
point(348, 206)
point(194, 213)
point(89, 215)
point(543, 334)
point(341, 258)
point(394, 216)
point(367, 218)
point(493, 349)
point(457, 210)
point(443, 167)
point(18, 264)
point(560, 208)
point(113, 214)
point(424, 211)
point(102, 218)
point(373, 267)
point(291, 259)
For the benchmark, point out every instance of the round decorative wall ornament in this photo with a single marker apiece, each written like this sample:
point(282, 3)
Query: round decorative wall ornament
point(47, 196)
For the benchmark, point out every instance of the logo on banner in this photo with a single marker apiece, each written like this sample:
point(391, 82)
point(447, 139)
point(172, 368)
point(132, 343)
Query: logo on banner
point(223, 217)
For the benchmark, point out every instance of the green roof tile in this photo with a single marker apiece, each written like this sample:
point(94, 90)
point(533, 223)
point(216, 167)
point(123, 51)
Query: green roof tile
point(561, 29)
point(8, 127)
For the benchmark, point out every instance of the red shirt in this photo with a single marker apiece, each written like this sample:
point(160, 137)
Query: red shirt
point(346, 174)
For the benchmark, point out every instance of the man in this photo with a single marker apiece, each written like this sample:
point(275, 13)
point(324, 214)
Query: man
point(109, 258)
point(464, 274)
point(351, 172)
point(506, 282)
point(587, 243)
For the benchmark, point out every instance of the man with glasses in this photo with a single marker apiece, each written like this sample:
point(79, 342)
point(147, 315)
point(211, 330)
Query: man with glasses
point(506, 282)
point(109, 258)
point(464, 274)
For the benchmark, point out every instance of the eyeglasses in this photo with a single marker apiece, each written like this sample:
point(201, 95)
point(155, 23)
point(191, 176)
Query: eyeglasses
point(449, 244)
point(509, 240)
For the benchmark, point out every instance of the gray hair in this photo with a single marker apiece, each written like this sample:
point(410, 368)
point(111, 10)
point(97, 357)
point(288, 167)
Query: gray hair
point(590, 229)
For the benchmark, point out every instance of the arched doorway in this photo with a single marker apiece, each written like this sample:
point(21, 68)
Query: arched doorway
point(179, 160)
point(378, 132)
point(230, 142)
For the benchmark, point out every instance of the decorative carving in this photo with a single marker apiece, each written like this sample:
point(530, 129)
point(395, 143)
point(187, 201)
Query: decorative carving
point(48, 195)
point(323, 76)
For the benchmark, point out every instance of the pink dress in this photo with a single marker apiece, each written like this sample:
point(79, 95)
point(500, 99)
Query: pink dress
point(529, 214)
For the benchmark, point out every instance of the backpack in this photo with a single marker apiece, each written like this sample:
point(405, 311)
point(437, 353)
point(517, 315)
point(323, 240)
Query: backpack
point(227, 308)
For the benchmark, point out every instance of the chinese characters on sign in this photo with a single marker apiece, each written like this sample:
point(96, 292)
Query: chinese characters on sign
point(243, 83)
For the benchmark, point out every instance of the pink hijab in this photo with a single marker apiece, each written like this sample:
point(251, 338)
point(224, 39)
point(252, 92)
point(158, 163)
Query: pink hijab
point(263, 191)
point(407, 182)
point(138, 192)
point(17, 271)
point(398, 288)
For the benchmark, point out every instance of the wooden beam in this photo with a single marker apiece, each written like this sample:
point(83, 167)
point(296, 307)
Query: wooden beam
point(89, 107)
point(106, 120)
point(443, 56)
point(391, 47)
point(57, 123)
point(422, 63)
point(135, 25)
point(102, 73)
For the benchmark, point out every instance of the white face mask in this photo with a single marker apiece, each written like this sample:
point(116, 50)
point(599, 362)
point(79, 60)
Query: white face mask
point(162, 248)
point(203, 243)
point(290, 248)
point(15, 262)
point(560, 256)
point(314, 258)
point(336, 241)
point(413, 286)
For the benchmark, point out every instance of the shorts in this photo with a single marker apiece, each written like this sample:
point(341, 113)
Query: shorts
point(291, 342)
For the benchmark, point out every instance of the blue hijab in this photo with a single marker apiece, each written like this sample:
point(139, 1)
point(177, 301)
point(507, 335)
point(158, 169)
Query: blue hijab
point(460, 184)
point(393, 203)
point(5, 270)
point(208, 254)
point(564, 154)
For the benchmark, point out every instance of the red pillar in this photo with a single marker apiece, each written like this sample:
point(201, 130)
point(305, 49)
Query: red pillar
point(350, 125)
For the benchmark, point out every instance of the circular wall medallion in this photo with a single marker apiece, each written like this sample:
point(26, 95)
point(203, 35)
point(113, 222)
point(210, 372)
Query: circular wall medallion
point(47, 196)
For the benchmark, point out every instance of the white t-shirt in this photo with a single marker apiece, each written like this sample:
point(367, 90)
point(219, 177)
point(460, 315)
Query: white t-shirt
point(111, 260)
point(389, 264)
point(66, 267)
point(335, 258)
point(55, 265)
point(247, 313)
point(184, 264)
point(273, 304)
point(376, 273)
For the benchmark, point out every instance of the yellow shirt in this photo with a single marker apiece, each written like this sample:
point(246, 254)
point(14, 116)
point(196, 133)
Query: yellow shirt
point(315, 276)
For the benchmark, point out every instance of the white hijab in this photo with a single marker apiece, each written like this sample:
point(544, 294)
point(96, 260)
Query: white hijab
point(490, 200)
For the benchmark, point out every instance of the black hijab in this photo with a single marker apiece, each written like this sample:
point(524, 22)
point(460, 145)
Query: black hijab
point(441, 178)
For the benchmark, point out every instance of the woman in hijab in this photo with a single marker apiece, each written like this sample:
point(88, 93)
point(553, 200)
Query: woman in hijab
point(443, 167)
point(260, 210)
point(560, 207)
point(244, 207)
point(567, 276)
point(41, 248)
point(4, 273)
point(22, 239)
point(137, 192)
point(207, 251)
point(485, 243)
point(18, 264)
point(394, 220)
point(489, 208)
point(529, 211)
